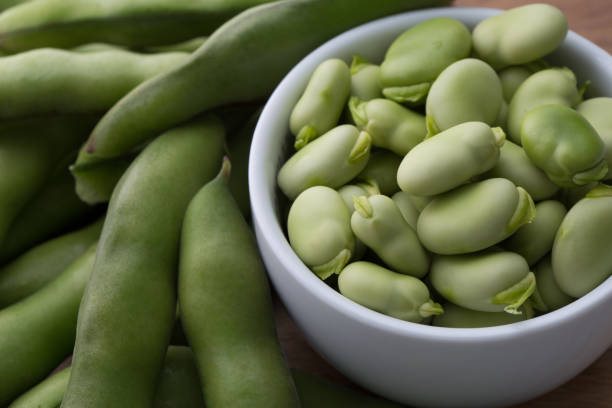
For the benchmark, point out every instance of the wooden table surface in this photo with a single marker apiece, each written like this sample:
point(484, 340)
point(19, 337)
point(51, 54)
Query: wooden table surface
point(593, 387)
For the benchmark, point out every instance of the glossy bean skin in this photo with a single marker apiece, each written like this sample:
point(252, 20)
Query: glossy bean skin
point(417, 56)
point(381, 171)
point(511, 79)
point(38, 332)
point(43, 263)
point(391, 126)
point(67, 23)
point(208, 78)
point(534, 240)
point(365, 79)
point(48, 81)
point(597, 112)
point(514, 165)
point(47, 394)
point(474, 217)
point(548, 289)
point(378, 223)
point(406, 206)
point(54, 210)
point(319, 229)
point(563, 144)
point(492, 281)
point(401, 296)
point(450, 159)
point(553, 86)
point(519, 35)
point(320, 106)
point(581, 256)
point(178, 385)
point(462, 318)
point(30, 150)
point(467, 90)
point(119, 348)
point(234, 370)
point(331, 160)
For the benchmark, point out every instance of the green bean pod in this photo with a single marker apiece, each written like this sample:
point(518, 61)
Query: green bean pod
point(407, 207)
point(56, 81)
point(119, 348)
point(562, 143)
point(233, 291)
point(581, 256)
point(319, 229)
point(548, 290)
point(331, 160)
point(46, 394)
point(6, 4)
point(391, 126)
point(190, 45)
point(378, 223)
point(67, 23)
point(514, 165)
point(43, 263)
point(487, 281)
point(534, 240)
point(394, 294)
point(467, 90)
point(597, 112)
point(450, 159)
point(381, 171)
point(38, 332)
point(320, 106)
point(217, 75)
point(55, 210)
point(460, 317)
point(365, 79)
point(29, 153)
point(553, 86)
point(178, 385)
point(474, 217)
point(519, 35)
point(417, 56)
point(316, 392)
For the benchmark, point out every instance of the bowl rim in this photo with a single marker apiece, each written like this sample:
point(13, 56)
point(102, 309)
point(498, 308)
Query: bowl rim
point(268, 226)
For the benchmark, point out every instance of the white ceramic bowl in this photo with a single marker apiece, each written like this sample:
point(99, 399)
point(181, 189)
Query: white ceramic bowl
point(412, 363)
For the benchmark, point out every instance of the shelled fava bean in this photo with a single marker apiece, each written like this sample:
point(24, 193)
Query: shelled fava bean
point(420, 198)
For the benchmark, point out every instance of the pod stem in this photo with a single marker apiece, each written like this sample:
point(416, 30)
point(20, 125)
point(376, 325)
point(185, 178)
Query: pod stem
point(362, 147)
point(525, 211)
point(500, 136)
point(517, 294)
point(363, 207)
point(334, 266)
point(595, 173)
point(359, 63)
point(304, 136)
point(357, 107)
point(601, 190)
point(413, 94)
point(432, 127)
point(430, 308)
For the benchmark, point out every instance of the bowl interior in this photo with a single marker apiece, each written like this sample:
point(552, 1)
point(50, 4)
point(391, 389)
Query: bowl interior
point(271, 143)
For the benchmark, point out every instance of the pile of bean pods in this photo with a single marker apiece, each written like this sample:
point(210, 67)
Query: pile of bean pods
point(457, 182)
point(122, 241)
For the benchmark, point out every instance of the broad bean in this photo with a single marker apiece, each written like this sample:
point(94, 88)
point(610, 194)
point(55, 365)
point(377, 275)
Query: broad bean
point(460, 317)
point(319, 229)
point(547, 289)
point(394, 294)
point(381, 171)
point(597, 112)
point(365, 79)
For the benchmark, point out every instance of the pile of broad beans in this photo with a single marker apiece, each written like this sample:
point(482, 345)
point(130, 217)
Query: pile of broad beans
point(123, 236)
point(459, 181)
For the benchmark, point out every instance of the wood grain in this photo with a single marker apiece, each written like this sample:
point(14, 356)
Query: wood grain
point(593, 387)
